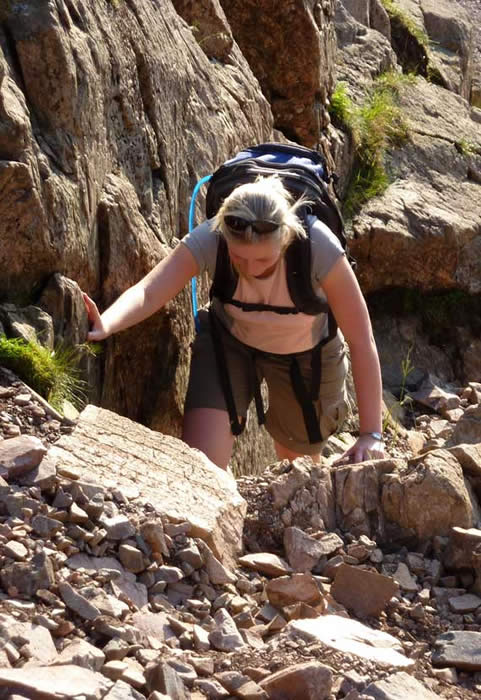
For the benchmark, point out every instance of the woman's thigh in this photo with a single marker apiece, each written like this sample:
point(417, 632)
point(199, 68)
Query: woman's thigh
point(206, 419)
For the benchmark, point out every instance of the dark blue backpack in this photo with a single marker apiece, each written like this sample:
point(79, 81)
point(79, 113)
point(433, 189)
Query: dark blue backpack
point(303, 173)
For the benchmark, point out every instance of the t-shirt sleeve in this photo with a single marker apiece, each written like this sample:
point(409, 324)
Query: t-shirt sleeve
point(326, 250)
point(202, 242)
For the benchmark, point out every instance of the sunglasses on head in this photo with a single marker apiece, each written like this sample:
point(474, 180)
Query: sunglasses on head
point(238, 225)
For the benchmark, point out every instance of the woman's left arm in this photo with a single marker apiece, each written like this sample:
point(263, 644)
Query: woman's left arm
point(350, 311)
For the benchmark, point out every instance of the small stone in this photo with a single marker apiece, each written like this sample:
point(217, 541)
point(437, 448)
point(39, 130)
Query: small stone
point(22, 399)
point(153, 532)
point(217, 572)
point(201, 639)
point(365, 592)
point(82, 653)
point(132, 558)
point(211, 688)
point(287, 590)
point(225, 636)
point(400, 685)
point(265, 563)
point(404, 578)
point(118, 527)
point(15, 550)
point(204, 665)
point(306, 681)
point(191, 555)
point(45, 526)
point(114, 669)
point(77, 602)
point(20, 455)
point(78, 515)
point(448, 675)
point(459, 649)
point(169, 574)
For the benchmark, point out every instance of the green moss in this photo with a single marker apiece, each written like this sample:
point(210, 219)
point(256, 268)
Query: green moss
point(374, 126)
point(466, 148)
point(52, 374)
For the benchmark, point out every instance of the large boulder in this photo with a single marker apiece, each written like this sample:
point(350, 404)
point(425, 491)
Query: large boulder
point(180, 483)
point(435, 479)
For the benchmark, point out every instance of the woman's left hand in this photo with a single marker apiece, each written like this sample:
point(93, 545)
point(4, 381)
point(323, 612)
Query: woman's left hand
point(365, 447)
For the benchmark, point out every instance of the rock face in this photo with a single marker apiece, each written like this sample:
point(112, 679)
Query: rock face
point(401, 220)
point(113, 65)
point(296, 82)
point(413, 236)
point(182, 482)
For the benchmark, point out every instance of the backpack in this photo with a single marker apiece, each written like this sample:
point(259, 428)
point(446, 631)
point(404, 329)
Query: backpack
point(303, 172)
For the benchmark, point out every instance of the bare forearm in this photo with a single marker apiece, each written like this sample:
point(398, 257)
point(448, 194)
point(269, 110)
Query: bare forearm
point(367, 381)
point(130, 308)
point(146, 297)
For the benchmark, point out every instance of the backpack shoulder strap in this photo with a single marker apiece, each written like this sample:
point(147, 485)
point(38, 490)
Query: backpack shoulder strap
point(225, 277)
point(298, 272)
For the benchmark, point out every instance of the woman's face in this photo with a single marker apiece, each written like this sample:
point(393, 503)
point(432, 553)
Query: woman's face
point(255, 259)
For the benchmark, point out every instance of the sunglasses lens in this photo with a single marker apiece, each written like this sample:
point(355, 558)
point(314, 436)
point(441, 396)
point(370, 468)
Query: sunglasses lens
point(239, 225)
point(264, 226)
point(236, 223)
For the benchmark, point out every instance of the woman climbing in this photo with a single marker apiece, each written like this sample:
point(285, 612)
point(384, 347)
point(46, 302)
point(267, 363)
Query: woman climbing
point(253, 330)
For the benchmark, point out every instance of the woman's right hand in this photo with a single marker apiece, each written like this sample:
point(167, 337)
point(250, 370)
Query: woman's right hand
point(98, 331)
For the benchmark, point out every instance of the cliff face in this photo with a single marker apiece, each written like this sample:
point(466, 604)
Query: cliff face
point(110, 112)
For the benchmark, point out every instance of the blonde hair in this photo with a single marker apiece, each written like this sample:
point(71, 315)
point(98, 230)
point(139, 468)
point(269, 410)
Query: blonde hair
point(265, 199)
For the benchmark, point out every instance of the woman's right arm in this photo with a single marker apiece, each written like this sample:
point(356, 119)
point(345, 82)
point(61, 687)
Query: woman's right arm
point(146, 297)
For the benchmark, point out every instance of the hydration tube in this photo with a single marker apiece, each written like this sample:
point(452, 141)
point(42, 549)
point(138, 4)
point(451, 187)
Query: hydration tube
point(193, 285)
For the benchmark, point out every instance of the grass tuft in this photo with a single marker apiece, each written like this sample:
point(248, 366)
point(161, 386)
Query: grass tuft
point(341, 107)
point(52, 374)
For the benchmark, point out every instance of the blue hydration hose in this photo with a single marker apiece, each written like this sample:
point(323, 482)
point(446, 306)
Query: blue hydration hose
point(191, 226)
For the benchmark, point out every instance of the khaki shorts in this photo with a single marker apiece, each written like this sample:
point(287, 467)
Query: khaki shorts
point(284, 417)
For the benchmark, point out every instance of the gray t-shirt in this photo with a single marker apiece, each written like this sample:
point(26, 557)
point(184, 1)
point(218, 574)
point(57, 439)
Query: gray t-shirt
point(267, 330)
